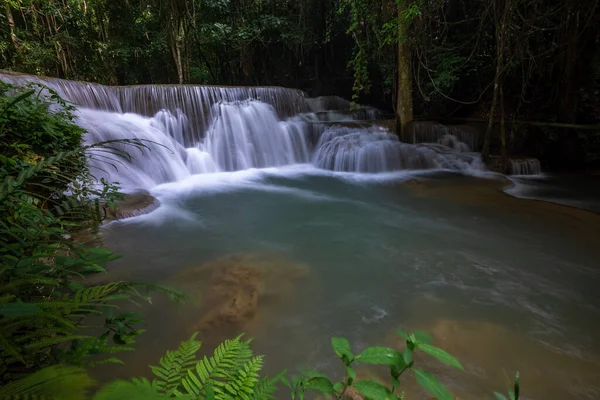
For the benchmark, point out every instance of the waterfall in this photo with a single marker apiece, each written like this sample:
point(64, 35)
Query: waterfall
point(427, 132)
point(377, 150)
point(335, 108)
point(186, 130)
point(248, 134)
point(195, 102)
point(528, 166)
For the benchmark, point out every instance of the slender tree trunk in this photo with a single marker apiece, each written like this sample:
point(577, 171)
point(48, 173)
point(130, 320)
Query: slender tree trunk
point(570, 98)
point(404, 105)
point(501, 7)
point(177, 23)
point(11, 24)
point(485, 152)
point(177, 58)
point(502, 126)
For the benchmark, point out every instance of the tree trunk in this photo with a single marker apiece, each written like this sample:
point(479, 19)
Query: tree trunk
point(177, 58)
point(11, 24)
point(501, 7)
point(404, 105)
point(570, 98)
point(502, 126)
point(485, 152)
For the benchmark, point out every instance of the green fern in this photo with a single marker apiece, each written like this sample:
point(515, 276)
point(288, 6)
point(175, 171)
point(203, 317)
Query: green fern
point(244, 382)
point(53, 383)
point(217, 370)
point(232, 372)
point(137, 389)
point(175, 365)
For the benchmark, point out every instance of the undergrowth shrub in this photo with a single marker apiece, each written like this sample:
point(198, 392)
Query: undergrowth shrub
point(47, 195)
point(234, 372)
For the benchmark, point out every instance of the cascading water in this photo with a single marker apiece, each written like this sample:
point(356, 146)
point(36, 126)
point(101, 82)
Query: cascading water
point(195, 102)
point(377, 150)
point(368, 150)
point(426, 132)
point(188, 130)
point(248, 135)
point(529, 166)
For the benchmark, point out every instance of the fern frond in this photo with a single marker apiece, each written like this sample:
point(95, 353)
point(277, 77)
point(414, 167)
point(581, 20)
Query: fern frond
point(137, 389)
point(264, 389)
point(7, 349)
point(57, 383)
point(175, 365)
point(53, 342)
point(111, 360)
point(224, 372)
point(242, 384)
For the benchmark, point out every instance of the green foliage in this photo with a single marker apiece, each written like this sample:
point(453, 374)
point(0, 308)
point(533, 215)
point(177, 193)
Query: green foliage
point(512, 395)
point(398, 363)
point(45, 198)
point(232, 372)
point(53, 383)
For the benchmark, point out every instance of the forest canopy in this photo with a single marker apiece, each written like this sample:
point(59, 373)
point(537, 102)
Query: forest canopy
point(515, 60)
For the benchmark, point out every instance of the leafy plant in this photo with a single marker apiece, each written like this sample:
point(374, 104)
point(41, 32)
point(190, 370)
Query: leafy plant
point(399, 363)
point(512, 395)
point(232, 372)
point(46, 197)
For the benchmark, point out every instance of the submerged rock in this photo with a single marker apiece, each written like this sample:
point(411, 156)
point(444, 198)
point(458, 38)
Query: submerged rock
point(231, 288)
point(134, 204)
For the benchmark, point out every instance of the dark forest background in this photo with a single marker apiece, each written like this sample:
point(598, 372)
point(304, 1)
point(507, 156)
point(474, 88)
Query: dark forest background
point(531, 67)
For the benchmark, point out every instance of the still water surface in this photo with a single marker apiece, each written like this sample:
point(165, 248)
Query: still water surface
point(504, 284)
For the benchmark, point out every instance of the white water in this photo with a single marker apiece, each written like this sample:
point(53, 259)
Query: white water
point(528, 166)
point(247, 134)
point(190, 130)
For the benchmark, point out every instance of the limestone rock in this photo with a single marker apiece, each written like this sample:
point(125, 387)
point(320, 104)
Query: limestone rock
point(138, 203)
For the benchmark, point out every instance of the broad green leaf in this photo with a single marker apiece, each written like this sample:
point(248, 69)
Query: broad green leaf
point(320, 384)
point(380, 355)
point(341, 347)
point(423, 337)
point(441, 355)
point(432, 385)
point(373, 390)
point(500, 396)
point(403, 334)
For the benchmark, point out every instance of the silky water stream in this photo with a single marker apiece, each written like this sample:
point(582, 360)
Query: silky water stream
point(294, 231)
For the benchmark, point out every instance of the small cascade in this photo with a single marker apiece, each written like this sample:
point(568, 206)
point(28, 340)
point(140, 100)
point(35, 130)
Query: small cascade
point(367, 150)
point(335, 108)
point(527, 166)
point(426, 132)
point(377, 150)
point(452, 142)
point(199, 161)
point(90, 95)
point(161, 159)
point(195, 102)
point(174, 124)
point(248, 134)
